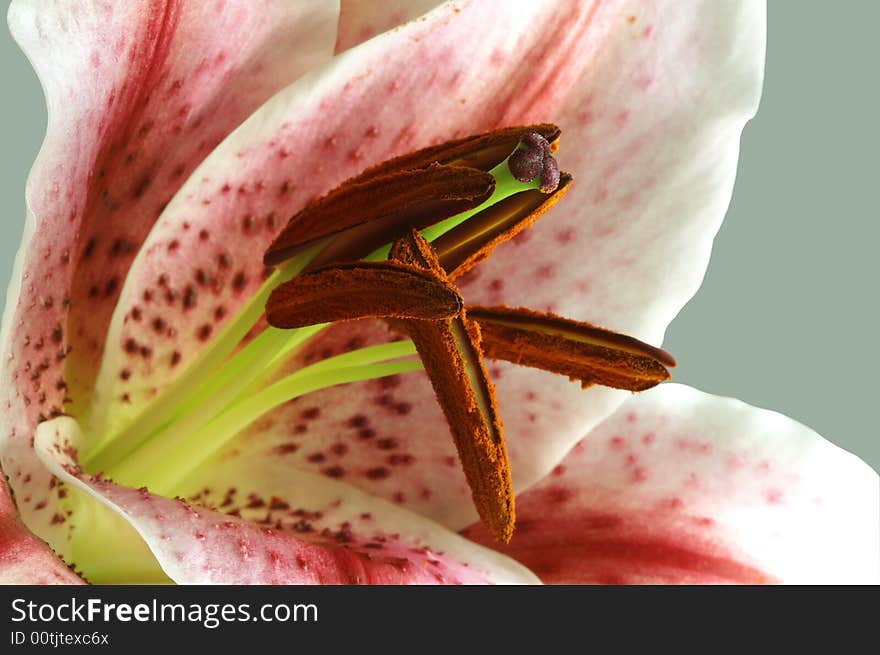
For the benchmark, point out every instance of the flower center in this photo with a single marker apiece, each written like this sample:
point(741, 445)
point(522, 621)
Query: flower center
point(389, 244)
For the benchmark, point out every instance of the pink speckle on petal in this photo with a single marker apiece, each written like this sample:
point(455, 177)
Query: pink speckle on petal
point(640, 474)
point(736, 462)
point(674, 503)
point(617, 443)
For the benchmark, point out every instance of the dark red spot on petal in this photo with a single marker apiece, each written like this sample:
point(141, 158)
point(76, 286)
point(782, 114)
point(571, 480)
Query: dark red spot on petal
point(190, 297)
point(111, 286)
point(378, 473)
point(311, 413)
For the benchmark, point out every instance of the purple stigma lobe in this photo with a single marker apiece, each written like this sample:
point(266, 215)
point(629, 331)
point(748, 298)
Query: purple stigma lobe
point(535, 141)
point(531, 159)
point(525, 164)
point(550, 177)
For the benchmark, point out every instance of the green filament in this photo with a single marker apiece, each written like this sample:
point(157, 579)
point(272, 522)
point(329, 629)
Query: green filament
point(167, 405)
point(164, 461)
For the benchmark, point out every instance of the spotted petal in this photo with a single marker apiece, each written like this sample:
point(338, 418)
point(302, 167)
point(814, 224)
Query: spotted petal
point(285, 530)
point(24, 559)
point(682, 487)
point(651, 98)
point(137, 93)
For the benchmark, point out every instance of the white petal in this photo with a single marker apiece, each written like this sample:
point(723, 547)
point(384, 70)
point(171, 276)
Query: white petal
point(679, 486)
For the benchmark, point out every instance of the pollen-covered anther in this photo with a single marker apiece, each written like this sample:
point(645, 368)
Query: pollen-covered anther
point(579, 350)
point(465, 246)
point(412, 191)
point(361, 290)
point(450, 352)
point(532, 159)
point(361, 215)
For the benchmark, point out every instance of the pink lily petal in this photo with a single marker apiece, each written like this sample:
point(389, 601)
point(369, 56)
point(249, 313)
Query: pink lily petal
point(24, 559)
point(651, 98)
point(137, 94)
point(352, 538)
point(679, 486)
point(360, 20)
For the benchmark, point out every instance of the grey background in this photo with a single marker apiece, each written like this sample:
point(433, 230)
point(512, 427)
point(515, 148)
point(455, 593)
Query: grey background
point(787, 317)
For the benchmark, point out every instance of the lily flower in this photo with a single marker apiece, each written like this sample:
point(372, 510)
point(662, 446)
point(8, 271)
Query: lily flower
point(154, 428)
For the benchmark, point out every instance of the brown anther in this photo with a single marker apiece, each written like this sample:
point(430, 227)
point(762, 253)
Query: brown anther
point(361, 290)
point(450, 352)
point(581, 351)
point(465, 246)
point(482, 151)
point(362, 215)
point(412, 191)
